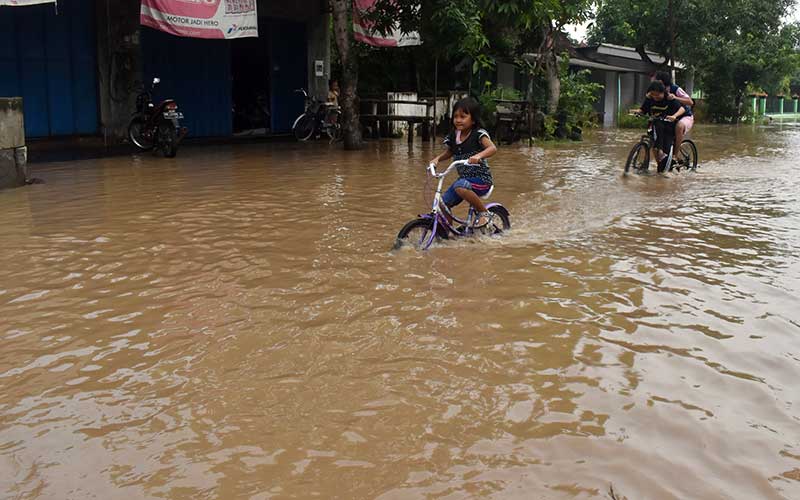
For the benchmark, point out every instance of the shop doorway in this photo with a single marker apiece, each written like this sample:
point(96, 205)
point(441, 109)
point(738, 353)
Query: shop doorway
point(251, 90)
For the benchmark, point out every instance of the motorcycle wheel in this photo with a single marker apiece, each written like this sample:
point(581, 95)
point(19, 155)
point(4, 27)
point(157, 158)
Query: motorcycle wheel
point(168, 139)
point(304, 126)
point(137, 134)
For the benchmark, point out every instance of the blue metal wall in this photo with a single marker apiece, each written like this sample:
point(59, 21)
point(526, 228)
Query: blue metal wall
point(50, 60)
point(194, 72)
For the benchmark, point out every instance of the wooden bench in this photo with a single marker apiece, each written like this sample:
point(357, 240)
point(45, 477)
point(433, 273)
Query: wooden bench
point(374, 118)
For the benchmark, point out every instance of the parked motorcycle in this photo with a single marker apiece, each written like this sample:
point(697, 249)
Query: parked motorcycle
point(156, 127)
point(318, 118)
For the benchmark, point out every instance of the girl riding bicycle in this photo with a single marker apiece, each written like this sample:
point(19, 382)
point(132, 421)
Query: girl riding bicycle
point(469, 141)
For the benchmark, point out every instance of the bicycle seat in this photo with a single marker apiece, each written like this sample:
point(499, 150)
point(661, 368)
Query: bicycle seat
point(488, 193)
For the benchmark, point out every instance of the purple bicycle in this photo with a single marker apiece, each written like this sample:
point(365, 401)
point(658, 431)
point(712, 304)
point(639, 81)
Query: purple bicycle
point(439, 223)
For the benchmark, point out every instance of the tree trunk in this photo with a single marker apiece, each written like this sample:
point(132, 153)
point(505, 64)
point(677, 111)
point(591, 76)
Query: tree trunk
point(342, 30)
point(642, 51)
point(553, 83)
point(548, 52)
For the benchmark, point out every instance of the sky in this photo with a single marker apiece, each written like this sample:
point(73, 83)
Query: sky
point(578, 31)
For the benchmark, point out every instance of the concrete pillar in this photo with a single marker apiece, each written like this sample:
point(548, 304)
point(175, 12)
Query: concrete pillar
point(754, 103)
point(780, 104)
point(794, 102)
point(119, 64)
point(610, 108)
point(762, 105)
point(319, 49)
point(13, 153)
point(629, 97)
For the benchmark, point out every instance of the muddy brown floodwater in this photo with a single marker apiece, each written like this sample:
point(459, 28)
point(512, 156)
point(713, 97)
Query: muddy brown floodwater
point(233, 324)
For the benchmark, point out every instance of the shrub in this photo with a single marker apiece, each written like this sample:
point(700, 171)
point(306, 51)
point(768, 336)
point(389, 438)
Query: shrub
point(489, 107)
point(578, 96)
point(632, 121)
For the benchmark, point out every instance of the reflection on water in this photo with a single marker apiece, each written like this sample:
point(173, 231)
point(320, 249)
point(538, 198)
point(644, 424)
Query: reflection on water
point(232, 324)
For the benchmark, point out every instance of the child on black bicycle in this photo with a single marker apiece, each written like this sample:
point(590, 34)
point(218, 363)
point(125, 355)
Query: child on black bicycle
point(657, 105)
point(469, 141)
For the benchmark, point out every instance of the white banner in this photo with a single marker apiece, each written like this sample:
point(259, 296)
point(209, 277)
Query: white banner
point(20, 3)
point(202, 18)
point(363, 32)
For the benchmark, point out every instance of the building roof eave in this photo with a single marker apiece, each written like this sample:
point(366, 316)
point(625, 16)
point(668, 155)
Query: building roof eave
point(584, 63)
point(630, 53)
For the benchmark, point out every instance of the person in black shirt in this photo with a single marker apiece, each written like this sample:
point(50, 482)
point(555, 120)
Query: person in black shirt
point(657, 105)
point(469, 141)
point(674, 92)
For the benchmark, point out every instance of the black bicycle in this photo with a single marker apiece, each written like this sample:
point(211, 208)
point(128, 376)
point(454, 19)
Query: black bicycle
point(318, 118)
point(639, 157)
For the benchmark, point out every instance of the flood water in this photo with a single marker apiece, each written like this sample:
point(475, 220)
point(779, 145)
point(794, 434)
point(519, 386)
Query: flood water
point(233, 324)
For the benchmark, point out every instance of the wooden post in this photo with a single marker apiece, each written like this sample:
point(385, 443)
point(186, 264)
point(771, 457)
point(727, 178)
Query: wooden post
point(373, 109)
point(426, 126)
point(435, 92)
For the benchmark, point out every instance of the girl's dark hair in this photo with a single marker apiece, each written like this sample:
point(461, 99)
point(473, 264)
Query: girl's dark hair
point(471, 107)
point(664, 77)
point(656, 86)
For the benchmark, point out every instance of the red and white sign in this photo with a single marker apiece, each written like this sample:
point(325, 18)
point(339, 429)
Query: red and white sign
point(20, 3)
point(363, 29)
point(202, 18)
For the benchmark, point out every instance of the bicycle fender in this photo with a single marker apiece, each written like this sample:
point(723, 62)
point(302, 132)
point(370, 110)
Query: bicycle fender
point(499, 207)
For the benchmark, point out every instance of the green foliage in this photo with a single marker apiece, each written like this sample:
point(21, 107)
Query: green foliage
point(700, 111)
point(632, 121)
point(550, 124)
point(578, 95)
point(730, 44)
point(489, 106)
point(482, 30)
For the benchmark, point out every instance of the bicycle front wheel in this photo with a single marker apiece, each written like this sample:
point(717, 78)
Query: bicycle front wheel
point(501, 221)
point(687, 155)
point(416, 234)
point(304, 127)
point(638, 158)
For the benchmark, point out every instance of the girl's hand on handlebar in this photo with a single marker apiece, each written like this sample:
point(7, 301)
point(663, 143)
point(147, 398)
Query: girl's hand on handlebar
point(671, 118)
point(474, 160)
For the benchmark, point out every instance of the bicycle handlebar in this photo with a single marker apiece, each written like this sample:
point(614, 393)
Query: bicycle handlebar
point(432, 167)
point(653, 118)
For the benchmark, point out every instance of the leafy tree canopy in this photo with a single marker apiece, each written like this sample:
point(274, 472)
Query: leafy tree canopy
point(730, 44)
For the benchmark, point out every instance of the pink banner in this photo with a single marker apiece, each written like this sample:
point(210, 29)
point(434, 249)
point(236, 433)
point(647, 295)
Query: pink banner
point(202, 18)
point(363, 30)
point(20, 3)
